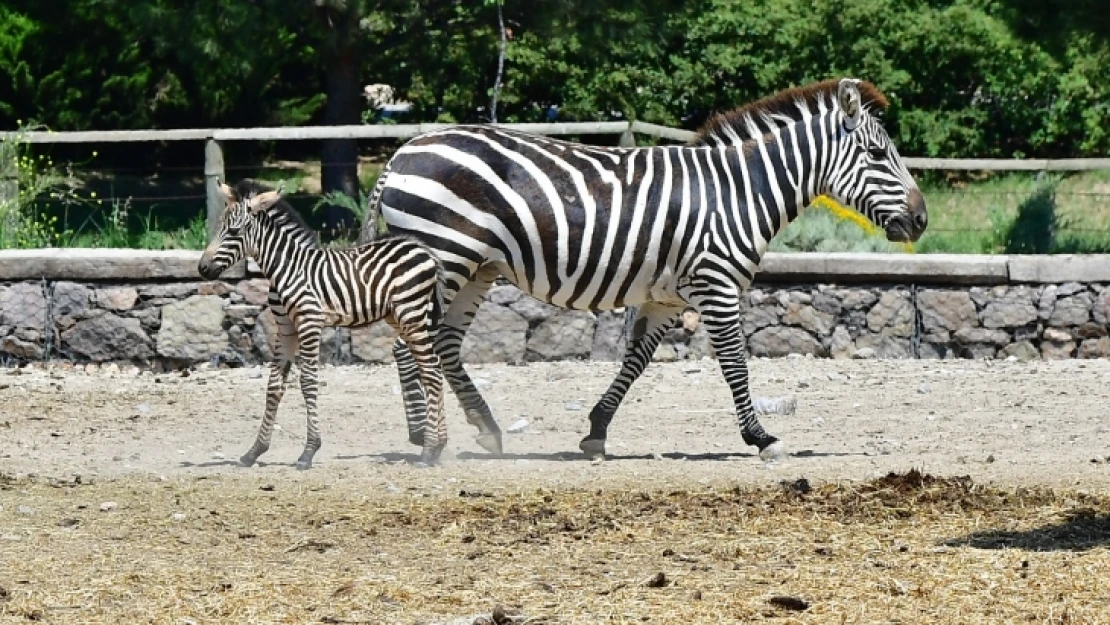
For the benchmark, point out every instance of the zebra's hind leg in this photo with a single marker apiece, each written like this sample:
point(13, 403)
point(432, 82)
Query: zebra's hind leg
point(422, 347)
point(460, 314)
point(720, 310)
point(651, 324)
point(284, 347)
point(308, 360)
point(412, 391)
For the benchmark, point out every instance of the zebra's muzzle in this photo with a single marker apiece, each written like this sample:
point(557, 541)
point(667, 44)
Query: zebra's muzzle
point(209, 270)
point(909, 226)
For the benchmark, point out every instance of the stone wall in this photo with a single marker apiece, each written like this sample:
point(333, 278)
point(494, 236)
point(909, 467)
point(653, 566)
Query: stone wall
point(177, 324)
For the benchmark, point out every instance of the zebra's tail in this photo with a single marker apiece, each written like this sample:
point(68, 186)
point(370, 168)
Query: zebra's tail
point(371, 228)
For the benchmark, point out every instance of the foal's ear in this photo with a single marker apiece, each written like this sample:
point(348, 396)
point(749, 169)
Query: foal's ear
point(266, 199)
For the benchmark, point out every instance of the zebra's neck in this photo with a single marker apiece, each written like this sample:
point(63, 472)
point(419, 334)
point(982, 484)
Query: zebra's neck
point(276, 241)
point(773, 178)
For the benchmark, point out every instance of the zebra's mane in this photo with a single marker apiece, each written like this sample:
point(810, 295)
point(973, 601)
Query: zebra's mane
point(784, 107)
point(282, 211)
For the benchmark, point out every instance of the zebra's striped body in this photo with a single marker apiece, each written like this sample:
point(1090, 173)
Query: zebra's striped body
point(594, 228)
point(396, 279)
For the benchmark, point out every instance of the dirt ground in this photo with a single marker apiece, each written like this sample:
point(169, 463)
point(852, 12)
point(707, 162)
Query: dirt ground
point(120, 499)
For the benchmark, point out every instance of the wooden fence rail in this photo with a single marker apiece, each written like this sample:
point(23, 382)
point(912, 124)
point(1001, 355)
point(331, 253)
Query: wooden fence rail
point(214, 165)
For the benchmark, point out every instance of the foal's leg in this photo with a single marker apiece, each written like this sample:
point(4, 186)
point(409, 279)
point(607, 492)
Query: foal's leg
point(284, 347)
point(308, 360)
point(412, 391)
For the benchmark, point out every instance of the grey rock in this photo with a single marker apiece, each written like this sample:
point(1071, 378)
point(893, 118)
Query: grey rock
point(254, 291)
point(946, 310)
point(69, 299)
point(979, 295)
point(886, 345)
point(840, 346)
point(335, 345)
point(264, 333)
point(23, 305)
point(968, 336)
point(373, 343)
point(1023, 351)
point(504, 294)
point(1070, 288)
point(1057, 335)
point(699, 345)
point(1100, 310)
point(1047, 302)
point(569, 334)
point(808, 317)
point(532, 309)
point(214, 288)
point(150, 318)
point(1072, 311)
point(497, 334)
point(242, 313)
point(1091, 330)
point(857, 299)
point(979, 351)
point(826, 302)
point(1095, 348)
point(19, 348)
point(758, 317)
point(192, 330)
point(893, 311)
point(609, 339)
point(1010, 307)
point(781, 341)
point(171, 291)
point(117, 299)
point(104, 336)
point(864, 353)
point(1054, 350)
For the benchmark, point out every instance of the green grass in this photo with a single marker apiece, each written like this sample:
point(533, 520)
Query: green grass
point(1010, 213)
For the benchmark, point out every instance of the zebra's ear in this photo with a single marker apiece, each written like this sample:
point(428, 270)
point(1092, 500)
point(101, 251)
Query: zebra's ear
point(266, 199)
point(847, 94)
point(224, 188)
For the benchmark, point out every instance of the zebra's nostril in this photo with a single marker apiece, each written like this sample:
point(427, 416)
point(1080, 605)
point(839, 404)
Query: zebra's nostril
point(921, 219)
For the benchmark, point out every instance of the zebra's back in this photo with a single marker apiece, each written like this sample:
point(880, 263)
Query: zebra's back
point(578, 226)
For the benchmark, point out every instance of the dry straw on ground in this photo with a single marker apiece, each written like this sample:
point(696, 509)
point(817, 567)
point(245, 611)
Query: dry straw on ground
point(907, 548)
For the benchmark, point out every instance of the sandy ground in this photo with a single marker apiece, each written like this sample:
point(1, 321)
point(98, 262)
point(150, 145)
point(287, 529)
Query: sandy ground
point(120, 501)
point(1006, 423)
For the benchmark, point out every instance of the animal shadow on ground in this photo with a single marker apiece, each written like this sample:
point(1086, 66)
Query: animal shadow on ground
point(1083, 529)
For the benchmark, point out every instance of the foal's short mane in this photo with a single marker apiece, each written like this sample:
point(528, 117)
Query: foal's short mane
point(771, 110)
point(283, 210)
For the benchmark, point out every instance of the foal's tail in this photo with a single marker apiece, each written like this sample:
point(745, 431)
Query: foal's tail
point(371, 228)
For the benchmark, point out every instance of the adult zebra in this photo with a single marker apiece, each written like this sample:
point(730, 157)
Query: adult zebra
point(594, 228)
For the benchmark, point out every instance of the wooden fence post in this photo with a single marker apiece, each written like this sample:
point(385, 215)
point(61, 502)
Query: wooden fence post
point(213, 174)
point(9, 186)
point(627, 140)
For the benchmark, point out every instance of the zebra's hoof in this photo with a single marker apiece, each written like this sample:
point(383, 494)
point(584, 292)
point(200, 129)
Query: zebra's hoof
point(304, 465)
point(594, 448)
point(490, 442)
point(247, 461)
point(774, 452)
point(429, 458)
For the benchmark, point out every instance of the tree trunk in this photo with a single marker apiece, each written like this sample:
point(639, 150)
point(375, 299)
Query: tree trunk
point(500, 67)
point(339, 170)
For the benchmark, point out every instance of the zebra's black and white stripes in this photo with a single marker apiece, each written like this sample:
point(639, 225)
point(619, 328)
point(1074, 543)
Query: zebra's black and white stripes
point(594, 228)
point(396, 279)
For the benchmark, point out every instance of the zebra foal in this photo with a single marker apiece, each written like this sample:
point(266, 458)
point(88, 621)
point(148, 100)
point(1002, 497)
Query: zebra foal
point(396, 279)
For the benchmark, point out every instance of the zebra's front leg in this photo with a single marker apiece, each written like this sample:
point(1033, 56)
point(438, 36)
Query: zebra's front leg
point(720, 311)
point(308, 360)
point(284, 348)
point(412, 391)
point(651, 325)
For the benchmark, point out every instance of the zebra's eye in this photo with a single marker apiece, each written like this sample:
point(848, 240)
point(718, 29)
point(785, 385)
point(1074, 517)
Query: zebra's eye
point(876, 153)
point(233, 230)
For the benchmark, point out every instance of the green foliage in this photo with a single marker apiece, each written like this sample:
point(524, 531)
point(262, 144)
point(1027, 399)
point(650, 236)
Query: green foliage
point(818, 230)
